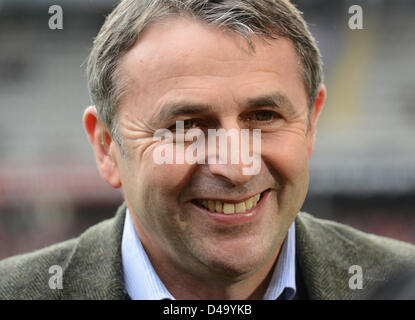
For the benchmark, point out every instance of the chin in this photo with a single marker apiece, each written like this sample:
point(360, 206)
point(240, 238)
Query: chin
point(236, 263)
point(235, 270)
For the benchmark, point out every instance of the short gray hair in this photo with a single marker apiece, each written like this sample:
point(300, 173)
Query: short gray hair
point(266, 18)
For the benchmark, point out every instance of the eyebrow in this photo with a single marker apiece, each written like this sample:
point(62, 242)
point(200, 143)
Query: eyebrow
point(173, 110)
point(275, 99)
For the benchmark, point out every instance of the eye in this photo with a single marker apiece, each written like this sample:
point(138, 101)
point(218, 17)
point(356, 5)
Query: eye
point(263, 116)
point(187, 125)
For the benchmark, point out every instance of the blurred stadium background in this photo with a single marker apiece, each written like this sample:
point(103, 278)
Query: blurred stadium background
point(362, 171)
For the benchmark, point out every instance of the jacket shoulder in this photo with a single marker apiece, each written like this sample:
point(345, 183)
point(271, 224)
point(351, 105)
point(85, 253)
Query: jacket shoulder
point(26, 276)
point(90, 266)
point(381, 256)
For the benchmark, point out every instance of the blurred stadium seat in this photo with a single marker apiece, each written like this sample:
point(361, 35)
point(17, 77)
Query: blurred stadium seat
point(362, 170)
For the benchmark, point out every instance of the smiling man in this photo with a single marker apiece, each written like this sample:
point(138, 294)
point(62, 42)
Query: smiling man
point(206, 230)
point(216, 75)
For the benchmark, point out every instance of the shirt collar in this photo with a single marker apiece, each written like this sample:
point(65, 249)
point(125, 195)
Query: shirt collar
point(140, 278)
point(142, 282)
point(282, 284)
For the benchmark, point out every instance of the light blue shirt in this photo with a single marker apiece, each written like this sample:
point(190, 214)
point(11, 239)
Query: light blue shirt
point(142, 282)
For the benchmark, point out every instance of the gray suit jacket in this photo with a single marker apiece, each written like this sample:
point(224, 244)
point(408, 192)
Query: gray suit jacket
point(92, 267)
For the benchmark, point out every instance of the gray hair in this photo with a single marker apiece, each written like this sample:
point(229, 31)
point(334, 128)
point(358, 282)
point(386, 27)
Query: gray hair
point(265, 18)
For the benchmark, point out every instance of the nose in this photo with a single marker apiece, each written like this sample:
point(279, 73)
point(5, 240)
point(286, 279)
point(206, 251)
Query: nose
point(225, 154)
point(232, 173)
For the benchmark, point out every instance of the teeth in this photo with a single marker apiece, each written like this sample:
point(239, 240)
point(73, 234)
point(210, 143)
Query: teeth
point(230, 208)
point(218, 206)
point(240, 207)
point(211, 205)
point(249, 204)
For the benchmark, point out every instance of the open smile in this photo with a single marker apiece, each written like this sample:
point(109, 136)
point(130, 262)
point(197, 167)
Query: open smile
point(229, 207)
point(232, 211)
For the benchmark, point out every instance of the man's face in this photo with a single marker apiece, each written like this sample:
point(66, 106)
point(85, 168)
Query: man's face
point(183, 70)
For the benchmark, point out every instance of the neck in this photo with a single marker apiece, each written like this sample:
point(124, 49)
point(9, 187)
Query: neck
point(184, 286)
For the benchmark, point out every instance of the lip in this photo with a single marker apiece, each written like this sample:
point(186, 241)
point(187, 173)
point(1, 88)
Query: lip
point(236, 218)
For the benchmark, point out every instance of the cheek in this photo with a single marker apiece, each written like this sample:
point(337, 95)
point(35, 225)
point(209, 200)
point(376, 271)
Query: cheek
point(164, 181)
point(167, 179)
point(143, 170)
point(153, 191)
point(288, 156)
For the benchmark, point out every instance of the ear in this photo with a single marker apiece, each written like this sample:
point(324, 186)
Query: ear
point(103, 146)
point(318, 105)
